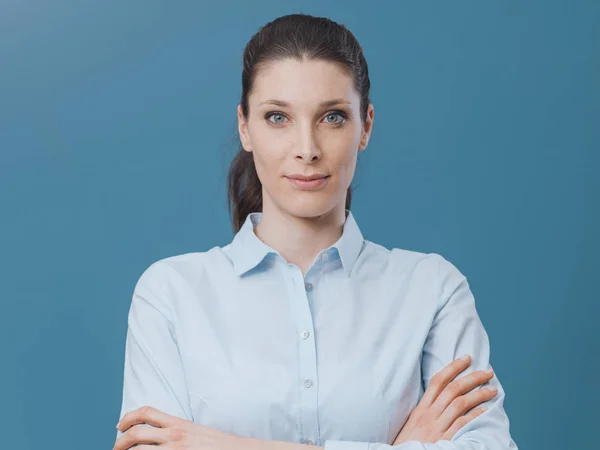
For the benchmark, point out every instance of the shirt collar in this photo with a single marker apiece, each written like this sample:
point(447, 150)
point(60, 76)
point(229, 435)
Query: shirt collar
point(247, 250)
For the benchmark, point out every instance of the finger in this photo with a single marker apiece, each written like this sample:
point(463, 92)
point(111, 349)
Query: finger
point(464, 403)
point(141, 434)
point(461, 422)
point(439, 381)
point(149, 415)
point(458, 387)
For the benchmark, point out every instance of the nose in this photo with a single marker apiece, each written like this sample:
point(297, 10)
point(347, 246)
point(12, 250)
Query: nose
point(308, 149)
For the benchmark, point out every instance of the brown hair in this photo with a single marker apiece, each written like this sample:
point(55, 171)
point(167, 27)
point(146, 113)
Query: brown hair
point(290, 36)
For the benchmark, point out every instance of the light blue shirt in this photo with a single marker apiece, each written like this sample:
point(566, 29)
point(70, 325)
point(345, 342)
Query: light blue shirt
point(237, 339)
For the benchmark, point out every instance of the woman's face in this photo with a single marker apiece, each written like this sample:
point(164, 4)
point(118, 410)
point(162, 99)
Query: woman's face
point(304, 119)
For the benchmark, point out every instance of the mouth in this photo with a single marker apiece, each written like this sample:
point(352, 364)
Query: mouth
point(308, 183)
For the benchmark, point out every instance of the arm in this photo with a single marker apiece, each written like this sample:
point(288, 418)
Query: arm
point(153, 373)
point(456, 330)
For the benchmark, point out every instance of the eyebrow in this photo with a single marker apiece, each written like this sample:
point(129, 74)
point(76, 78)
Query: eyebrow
point(325, 104)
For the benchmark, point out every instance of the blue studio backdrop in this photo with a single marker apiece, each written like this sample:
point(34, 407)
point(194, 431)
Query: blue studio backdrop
point(117, 125)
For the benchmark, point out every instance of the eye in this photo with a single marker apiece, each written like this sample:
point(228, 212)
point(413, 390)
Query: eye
point(333, 115)
point(279, 118)
point(333, 118)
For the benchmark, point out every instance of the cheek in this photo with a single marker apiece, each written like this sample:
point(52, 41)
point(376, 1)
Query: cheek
point(347, 170)
point(343, 153)
point(344, 141)
point(270, 150)
point(268, 162)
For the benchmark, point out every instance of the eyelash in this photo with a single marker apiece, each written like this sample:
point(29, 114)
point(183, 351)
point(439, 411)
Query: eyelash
point(342, 114)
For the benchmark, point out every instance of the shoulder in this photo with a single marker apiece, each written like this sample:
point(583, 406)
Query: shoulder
point(180, 268)
point(402, 259)
point(431, 268)
point(167, 284)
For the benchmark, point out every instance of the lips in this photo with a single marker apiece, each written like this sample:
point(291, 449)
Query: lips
point(307, 177)
point(308, 184)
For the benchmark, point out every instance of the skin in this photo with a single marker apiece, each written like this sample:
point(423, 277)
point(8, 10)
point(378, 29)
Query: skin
point(448, 404)
point(306, 137)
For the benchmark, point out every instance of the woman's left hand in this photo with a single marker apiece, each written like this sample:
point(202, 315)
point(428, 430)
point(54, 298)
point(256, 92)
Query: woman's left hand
point(170, 431)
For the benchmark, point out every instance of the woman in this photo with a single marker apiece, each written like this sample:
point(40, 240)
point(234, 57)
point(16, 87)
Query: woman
point(300, 331)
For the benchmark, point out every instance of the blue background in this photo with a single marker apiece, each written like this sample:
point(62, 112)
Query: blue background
point(117, 125)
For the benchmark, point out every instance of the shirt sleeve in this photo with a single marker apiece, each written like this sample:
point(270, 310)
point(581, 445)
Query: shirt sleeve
point(153, 373)
point(456, 330)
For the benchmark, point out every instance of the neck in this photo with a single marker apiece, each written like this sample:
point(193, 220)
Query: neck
point(300, 239)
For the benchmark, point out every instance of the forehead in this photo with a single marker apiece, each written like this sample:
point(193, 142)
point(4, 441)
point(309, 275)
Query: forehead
point(302, 81)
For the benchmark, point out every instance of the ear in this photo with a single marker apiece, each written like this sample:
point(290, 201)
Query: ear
point(367, 127)
point(243, 130)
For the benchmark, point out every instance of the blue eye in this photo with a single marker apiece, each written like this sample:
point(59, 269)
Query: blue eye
point(335, 114)
point(277, 116)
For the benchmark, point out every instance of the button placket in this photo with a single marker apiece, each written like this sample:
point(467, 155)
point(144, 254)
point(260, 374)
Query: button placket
point(302, 313)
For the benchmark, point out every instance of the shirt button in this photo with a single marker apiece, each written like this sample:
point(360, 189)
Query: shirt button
point(308, 286)
point(307, 383)
point(324, 256)
point(304, 334)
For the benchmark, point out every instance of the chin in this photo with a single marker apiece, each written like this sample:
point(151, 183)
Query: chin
point(308, 210)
